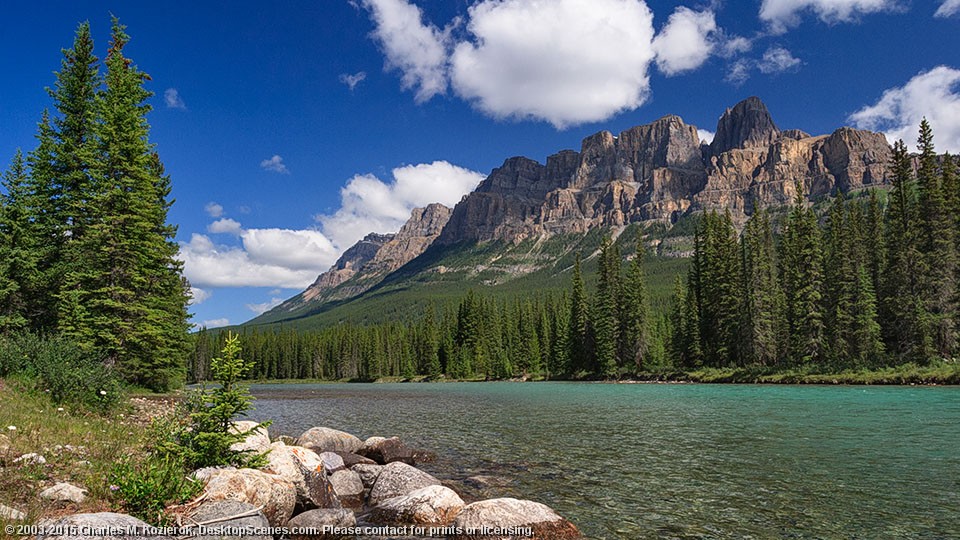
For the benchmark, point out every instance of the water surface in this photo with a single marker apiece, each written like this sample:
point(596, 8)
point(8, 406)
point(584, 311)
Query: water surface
point(673, 461)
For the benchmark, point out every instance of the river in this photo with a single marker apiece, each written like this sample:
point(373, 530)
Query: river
point(630, 461)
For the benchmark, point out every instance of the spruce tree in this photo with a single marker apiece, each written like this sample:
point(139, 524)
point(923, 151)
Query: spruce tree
point(48, 230)
point(763, 317)
point(123, 295)
point(635, 317)
point(801, 274)
point(578, 320)
point(604, 318)
point(17, 259)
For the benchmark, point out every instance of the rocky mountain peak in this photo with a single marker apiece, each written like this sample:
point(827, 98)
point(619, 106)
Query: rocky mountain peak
point(747, 125)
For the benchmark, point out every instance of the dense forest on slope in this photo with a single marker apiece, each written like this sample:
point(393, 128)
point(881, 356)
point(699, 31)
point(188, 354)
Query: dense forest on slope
point(873, 282)
point(86, 253)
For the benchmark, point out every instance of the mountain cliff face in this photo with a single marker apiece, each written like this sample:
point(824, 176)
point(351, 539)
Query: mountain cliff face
point(368, 261)
point(655, 173)
point(660, 171)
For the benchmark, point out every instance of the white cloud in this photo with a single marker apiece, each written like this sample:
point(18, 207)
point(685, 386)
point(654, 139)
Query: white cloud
point(199, 296)
point(781, 14)
point(274, 164)
point(353, 80)
point(777, 60)
point(173, 100)
point(739, 71)
point(213, 209)
point(734, 46)
point(563, 61)
point(948, 8)
point(215, 323)
point(933, 94)
point(705, 136)
point(225, 226)
point(206, 264)
point(417, 49)
point(686, 41)
point(368, 204)
point(260, 309)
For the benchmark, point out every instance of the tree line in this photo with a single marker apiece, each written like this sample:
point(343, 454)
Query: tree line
point(86, 252)
point(872, 281)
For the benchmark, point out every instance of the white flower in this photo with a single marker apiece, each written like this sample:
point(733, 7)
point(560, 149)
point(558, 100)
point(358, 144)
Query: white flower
point(59, 409)
point(103, 392)
point(12, 428)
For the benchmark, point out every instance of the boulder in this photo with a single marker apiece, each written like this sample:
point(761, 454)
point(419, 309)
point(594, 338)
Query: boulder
point(332, 462)
point(258, 441)
point(350, 459)
point(542, 522)
point(320, 518)
point(238, 528)
point(31, 459)
point(11, 514)
point(206, 473)
point(319, 491)
point(348, 487)
point(64, 492)
point(4, 444)
point(398, 479)
point(368, 473)
point(100, 526)
point(385, 451)
point(321, 439)
point(432, 505)
point(276, 495)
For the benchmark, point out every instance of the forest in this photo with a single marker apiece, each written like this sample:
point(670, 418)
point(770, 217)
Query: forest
point(870, 282)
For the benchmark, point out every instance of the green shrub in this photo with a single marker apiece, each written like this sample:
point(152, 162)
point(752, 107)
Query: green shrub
point(145, 489)
point(204, 439)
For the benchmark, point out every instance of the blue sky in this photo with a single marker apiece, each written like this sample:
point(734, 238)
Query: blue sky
point(292, 129)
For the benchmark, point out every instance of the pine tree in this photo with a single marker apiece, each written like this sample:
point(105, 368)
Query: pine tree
point(635, 314)
point(47, 228)
point(801, 267)
point(123, 293)
point(763, 317)
point(17, 260)
point(604, 317)
point(840, 282)
point(717, 288)
point(431, 344)
point(578, 321)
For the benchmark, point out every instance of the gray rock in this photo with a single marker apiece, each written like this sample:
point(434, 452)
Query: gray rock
point(543, 522)
point(101, 526)
point(257, 441)
point(273, 493)
point(321, 439)
point(31, 459)
point(206, 473)
point(368, 473)
point(332, 462)
point(432, 505)
point(4, 444)
point(320, 492)
point(748, 124)
point(385, 451)
point(11, 514)
point(64, 492)
point(349, 459)
point(348, 487)
point(242, 527)
point(398, 479)
point(320, 518)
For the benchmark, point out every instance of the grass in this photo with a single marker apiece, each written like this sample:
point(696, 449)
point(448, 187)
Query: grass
point(938, 372)
point(80, 447)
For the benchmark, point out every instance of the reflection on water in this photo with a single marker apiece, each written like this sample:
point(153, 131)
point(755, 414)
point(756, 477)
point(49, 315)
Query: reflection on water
point(672, 461)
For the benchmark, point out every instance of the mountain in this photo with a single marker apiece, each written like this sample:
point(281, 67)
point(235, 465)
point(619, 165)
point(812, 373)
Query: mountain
point(525, 217)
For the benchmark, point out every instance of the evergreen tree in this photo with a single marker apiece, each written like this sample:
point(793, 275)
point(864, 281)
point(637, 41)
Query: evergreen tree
point(17, 261)
point(717, 289)
point(840, 282)
point(604, 318)
point(763, 317)
point(431, 344)
point(123, 293)
point(635, 314)
point(801, 267)
point(47, 228)
point(578, 320)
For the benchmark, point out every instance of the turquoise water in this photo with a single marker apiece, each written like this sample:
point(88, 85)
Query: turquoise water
point(673, 461)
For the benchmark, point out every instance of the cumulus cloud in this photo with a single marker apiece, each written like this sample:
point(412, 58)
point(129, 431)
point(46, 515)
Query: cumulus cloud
point(686, 41)
point(705, 136)
point(933, 94)
point(368, 204)
point(417, 49)
point(215, 323)
point(948, 8)
point(781, 14)
point(199, 296)
point(225, 226)
point(353, 80)
point(563, 61)
point(739, 71)
point(735, 45)
point(260, 309)
point(173, 100)
point(258, 263)
point(275, 164)
point(777, 60)
point(213, 209)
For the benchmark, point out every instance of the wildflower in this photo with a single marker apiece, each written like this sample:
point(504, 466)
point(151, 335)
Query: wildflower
point(59, 409)
point(103, 392)
point(114, 487)
point(12, 428)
